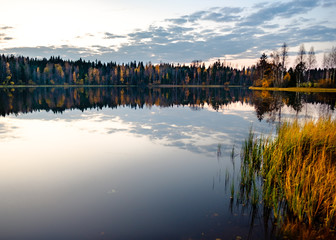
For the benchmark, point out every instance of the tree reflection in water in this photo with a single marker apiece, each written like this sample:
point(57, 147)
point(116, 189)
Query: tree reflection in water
point(268, 105)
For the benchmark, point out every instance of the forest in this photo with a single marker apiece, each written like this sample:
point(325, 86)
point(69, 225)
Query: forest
point(269, 71)
point(56, 71)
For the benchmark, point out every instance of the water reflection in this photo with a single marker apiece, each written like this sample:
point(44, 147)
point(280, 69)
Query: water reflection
point(77, 179)
point(269, 105)
point(149, 164)
point(273, 105)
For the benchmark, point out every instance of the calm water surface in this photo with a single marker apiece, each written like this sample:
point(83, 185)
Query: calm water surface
point(114, 164)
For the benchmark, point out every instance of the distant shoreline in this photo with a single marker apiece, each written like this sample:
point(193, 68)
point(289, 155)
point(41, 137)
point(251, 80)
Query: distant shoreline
point(290, 89)
point(97, 86)
point(294, 89)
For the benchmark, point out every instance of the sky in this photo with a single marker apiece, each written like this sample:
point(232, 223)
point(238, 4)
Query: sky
point(173, 31)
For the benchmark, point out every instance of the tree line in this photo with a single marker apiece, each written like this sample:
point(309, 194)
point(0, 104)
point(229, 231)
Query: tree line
point(56, 71)
point(268, 72)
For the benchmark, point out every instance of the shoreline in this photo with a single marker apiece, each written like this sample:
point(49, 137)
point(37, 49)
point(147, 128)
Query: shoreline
point(145, 86)
point(290, 89)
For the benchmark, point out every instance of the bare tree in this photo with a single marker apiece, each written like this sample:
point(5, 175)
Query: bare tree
point(276, 67)
point(326, 65)
point(329, 64)
point(300, 64)
point(283, 59)
point(311, 61)
point(332, 62)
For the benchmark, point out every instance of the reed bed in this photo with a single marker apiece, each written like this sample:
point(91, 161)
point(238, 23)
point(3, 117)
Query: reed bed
point(297, 169)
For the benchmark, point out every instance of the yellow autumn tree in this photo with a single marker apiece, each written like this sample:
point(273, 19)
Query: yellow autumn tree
point(59, 71)
point(8, 75)
point(122, 74)
point(74, 77)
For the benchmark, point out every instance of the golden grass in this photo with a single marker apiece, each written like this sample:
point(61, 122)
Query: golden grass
point(298, 168)
point(295, 89)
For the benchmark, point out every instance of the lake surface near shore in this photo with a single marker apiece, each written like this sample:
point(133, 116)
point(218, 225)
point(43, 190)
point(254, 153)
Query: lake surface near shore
point(129, 163)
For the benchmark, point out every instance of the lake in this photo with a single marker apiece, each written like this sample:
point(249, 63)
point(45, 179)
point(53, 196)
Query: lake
point(134, 163)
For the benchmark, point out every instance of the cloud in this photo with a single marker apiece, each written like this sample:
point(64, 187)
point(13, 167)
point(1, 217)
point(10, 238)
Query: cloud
point(85, 35)
point(227, 14)
point(213, 14)
point(64, 51)
point(196, 16)
point(3, 33)
point(112, 36)
point(218, 17)
point(159, 36)
point(315, 33)
point(328, 3)
point(5, 27)
point(271, 26)
point(177, 20)
point(287, 10)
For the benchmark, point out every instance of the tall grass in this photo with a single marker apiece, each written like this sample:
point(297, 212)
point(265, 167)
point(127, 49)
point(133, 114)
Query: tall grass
point(298, 171)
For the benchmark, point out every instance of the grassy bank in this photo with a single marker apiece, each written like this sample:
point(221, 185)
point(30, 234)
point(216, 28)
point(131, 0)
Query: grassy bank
point(297, 169)
point(295, 89)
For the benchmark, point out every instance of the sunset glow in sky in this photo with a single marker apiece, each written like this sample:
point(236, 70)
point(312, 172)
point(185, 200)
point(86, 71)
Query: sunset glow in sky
point(165, 31)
